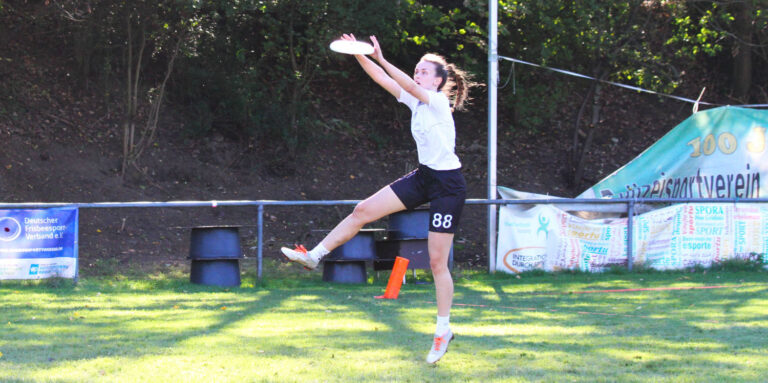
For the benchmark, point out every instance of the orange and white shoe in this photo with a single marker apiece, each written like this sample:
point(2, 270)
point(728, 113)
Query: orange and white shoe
point(300, 256)
point(439, 347)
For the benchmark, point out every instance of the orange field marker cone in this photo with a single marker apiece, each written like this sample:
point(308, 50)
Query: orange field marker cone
point(395, 279)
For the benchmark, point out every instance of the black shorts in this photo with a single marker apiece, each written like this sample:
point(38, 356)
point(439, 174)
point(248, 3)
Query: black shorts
point(445, 190)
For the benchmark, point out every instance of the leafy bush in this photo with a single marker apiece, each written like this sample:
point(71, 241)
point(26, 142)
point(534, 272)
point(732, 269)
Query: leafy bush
point(251, 68)
point(752, 262)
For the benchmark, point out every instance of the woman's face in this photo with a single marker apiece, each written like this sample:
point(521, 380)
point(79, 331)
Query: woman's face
point(425, 75)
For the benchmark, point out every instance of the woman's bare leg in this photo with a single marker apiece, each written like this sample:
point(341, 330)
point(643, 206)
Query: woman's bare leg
point(439, 245)
point(382, 203)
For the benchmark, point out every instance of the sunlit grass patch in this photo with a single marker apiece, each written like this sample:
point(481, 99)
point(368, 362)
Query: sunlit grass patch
point(533, 328)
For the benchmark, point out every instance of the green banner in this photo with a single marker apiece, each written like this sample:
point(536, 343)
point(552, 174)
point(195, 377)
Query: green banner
point(717, 153)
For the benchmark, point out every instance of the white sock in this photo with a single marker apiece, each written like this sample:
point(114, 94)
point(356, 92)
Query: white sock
point(443, 325)
point(319, 252)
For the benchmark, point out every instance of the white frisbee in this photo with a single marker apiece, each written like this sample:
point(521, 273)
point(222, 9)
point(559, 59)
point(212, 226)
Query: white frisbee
point(351, 47)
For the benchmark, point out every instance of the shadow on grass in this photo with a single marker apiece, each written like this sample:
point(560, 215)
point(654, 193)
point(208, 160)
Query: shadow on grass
point(702, 324)
point(98, 317)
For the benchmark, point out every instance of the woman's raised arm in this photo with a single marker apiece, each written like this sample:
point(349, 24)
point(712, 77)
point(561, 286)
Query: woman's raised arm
point(376, 72)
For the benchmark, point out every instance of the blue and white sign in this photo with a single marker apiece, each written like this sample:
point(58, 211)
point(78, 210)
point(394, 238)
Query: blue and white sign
point(38, 243)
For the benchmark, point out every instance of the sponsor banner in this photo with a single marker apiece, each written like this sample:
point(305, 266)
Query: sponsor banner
point(588, 245)
point(38, 243)
point(524, 244)
point(717, 153)
point(545, 237)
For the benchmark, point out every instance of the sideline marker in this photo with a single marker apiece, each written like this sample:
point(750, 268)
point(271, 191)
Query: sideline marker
point(395, 279)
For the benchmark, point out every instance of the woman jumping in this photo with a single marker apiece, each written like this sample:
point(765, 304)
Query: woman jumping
point(434, 91)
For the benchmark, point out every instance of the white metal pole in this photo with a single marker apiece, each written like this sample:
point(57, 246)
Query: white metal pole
point(493, 76)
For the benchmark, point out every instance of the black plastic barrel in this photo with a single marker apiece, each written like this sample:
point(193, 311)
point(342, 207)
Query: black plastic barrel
point(362, 247)
point(215, 253)
point(217, 272)
point(345, 272)
point(215, 242)
point(346, 263)
point(409, 224)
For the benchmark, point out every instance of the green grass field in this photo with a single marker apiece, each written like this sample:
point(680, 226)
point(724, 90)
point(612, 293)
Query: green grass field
point(537, 328)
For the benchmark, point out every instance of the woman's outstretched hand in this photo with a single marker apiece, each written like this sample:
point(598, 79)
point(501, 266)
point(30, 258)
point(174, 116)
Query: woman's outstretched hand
point(348, 37)
point(377, 55)
point(379, 73)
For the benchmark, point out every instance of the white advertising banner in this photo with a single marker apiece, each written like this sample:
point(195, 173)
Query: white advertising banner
point(548, 238)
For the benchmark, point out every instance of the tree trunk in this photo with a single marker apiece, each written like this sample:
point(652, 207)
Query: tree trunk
point(575, 152)
point(742, 51)
point(128, 118)
point(150, 130)
point(132, 96)
point(579, 172)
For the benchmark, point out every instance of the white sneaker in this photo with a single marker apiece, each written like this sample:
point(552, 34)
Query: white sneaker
point(439, 347)
point(300, 256)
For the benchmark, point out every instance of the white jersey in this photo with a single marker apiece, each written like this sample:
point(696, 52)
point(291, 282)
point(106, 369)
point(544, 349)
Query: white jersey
point(433, 129)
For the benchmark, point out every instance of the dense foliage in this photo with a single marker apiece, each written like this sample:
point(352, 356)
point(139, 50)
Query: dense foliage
point(249, 68)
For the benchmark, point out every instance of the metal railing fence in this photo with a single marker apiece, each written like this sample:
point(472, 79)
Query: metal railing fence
point(261, 204)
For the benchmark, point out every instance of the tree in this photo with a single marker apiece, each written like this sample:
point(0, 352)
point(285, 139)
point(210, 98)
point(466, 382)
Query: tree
point(742, 51)
point(133, 38)
point(166, 33)
point(253, 63)
point(735, 31)
point(606, 40)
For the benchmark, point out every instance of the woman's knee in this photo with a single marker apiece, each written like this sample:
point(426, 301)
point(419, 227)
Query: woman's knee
point(363, 212)
point(438, 261)
point(439, 251)
point(438, 265)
